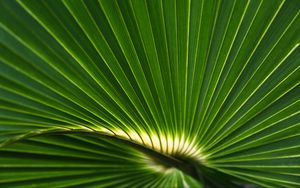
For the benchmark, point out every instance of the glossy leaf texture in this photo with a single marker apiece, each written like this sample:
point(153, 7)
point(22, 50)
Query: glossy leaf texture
point(212, 84)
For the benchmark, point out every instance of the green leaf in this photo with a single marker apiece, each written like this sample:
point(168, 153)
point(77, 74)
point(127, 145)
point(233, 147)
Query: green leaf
point(149, 93)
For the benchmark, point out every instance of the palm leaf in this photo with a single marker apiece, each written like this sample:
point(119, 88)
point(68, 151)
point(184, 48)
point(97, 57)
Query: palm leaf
point(140, 93)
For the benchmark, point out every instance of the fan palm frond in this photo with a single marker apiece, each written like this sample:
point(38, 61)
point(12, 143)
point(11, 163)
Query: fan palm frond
point(149, 93)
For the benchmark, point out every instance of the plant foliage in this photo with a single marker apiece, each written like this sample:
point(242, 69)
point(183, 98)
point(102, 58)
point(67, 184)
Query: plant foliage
point(149, 93)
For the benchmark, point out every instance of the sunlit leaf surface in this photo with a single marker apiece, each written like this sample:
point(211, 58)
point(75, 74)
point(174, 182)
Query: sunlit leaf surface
point(149, 93)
